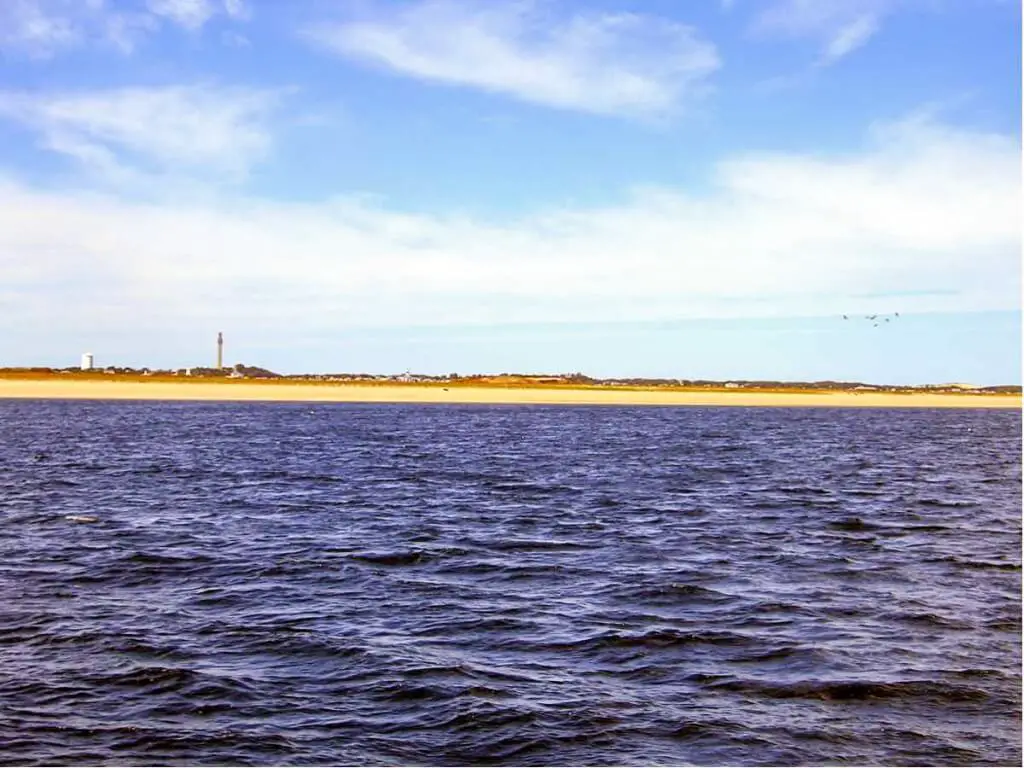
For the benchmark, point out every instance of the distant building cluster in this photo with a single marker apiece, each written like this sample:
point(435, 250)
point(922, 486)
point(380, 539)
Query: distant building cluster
point(240, 371)
point(88, 364)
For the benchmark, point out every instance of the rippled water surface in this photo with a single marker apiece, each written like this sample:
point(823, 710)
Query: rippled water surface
point(444, 585)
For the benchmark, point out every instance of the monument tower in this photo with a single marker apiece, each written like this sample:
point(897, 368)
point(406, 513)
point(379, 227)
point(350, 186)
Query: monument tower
point(220, 350)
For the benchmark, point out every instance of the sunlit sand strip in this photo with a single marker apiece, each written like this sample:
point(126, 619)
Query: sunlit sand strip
point(345, 393)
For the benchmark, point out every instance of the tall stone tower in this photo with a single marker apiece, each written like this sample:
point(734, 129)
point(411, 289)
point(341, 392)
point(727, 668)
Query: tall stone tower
point(220, 350)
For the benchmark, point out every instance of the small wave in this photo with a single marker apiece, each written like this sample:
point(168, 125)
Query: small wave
point(944, 503)
point(930, 620)
point(399, 557)
point(516, 749)
point(447, 551)
point(486, 714)
point(438, 670)
point(56, 639)
point(525, 572)
point(476, 625)
point(1007, 624)
point(165, 741)
point(674, 593)
point(156, 678)
point(485, 692)
point(530, 489)
point(151, 558)
point(978, 672)
point(779, 653)
point(775, 606)
point(428, 534)
point(403, 691)
point(656, 638)
point(853, 524)
point(300, 645)
point(976, 564)
point(531, 545)
point(160, 680)
point(695, 729)
point(812, 489)
point(703, 678)
point(855, 690)
point(144, 648)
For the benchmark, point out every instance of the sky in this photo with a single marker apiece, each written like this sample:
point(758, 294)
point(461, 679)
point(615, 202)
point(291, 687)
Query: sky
point(657, 188)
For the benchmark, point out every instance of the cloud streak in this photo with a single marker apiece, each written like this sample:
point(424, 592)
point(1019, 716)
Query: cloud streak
point(42, 29)
point(199, 129)
point(924, 210)
point(190, 14)
point(840, 27)
point(601, 63)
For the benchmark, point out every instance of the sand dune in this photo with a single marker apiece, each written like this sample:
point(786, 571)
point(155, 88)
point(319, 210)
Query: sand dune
point(279, 392)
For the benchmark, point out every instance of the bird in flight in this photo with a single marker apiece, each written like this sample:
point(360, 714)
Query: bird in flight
point(876, 320)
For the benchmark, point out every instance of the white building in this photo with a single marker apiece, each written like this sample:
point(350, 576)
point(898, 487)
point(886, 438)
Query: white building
point(87, 361)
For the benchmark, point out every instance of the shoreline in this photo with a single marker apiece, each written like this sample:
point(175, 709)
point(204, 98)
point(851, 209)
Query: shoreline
point(248, 391)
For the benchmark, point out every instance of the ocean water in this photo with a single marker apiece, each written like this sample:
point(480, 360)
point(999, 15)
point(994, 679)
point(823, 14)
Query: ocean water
point(240, 584)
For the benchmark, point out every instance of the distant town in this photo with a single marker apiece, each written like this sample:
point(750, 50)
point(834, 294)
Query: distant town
point(240, 371)
point(87, 369)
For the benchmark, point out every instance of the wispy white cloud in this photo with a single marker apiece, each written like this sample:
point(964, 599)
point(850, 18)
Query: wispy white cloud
point(194, 14)
point(237, 9)
point(605, 63)
point(924, 210)
point(200, 129)
point(42, 28)
point(850, 37)
point(190, 14)
point(839, 26)
point(125, 31)
point(45, 28)
point(25, 24)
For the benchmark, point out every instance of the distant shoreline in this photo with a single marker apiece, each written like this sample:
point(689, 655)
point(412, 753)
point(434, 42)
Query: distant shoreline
point(54, 387)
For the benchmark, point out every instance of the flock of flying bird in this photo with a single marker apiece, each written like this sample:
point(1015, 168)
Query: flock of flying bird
point(876, 320)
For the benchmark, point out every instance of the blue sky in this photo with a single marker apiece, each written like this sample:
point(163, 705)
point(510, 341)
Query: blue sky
point(697, 189)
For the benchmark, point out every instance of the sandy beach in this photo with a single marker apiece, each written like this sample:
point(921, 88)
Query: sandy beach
point(351, 393)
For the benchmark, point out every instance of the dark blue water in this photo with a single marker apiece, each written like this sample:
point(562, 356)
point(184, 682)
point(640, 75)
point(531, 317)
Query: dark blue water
point(293, 584)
